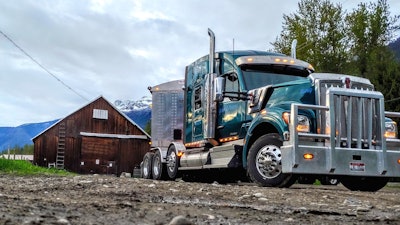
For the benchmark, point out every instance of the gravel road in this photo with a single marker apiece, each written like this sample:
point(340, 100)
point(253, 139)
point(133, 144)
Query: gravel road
point(94, 199)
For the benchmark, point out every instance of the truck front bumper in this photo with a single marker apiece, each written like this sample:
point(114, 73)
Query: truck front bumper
point(317, 158)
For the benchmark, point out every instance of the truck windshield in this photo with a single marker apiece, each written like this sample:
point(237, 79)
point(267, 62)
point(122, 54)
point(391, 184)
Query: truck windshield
point(256, 76)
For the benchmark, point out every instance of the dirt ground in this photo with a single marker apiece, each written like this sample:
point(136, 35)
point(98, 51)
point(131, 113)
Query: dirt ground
point(94, 199)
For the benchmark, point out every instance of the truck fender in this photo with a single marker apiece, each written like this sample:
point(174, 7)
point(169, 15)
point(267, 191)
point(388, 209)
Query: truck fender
point(256, 130)
point(179, 147)
point(162, 152)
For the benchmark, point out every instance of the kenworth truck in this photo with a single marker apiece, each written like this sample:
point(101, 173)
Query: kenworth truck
point(269, 117)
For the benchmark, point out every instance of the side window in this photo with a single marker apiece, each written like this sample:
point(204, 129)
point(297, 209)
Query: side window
point(197, 98)
point(231, 83)
point(231, 78)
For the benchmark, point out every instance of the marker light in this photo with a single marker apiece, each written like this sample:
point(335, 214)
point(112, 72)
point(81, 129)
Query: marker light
point(286, 117)
point(232, 138)
point(197, 144)
point(179, 154)
point(398, 161)
point(269, 59)
point(308, 156)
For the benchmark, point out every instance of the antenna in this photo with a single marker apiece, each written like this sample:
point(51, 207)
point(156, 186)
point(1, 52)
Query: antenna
point(233, 46)
point(233, 53)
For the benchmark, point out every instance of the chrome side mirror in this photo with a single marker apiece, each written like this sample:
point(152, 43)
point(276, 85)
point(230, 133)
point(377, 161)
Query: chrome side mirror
point(219, 87)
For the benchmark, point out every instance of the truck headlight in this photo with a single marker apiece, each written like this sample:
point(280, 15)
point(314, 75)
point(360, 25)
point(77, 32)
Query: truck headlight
point(303, 123)
point(390, 129)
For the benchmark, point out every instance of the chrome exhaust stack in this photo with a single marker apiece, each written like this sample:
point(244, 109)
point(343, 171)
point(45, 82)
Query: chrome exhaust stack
point(293, 50)
point(210, 112)
point(212, 51)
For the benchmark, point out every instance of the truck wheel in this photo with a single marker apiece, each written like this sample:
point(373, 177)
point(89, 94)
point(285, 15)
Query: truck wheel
point(264, 163)
point(158, 168)
point(172, 163)
point(370, 184)
point(147, 165)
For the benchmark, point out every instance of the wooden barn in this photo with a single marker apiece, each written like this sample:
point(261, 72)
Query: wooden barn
point(97, 138)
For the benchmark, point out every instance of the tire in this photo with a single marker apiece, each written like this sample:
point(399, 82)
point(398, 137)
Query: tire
point(158, 168)
point(368, 184)
point(141, 169)
point(172, 163)
point(264, 165)
point(147, 165)
point(327, 180)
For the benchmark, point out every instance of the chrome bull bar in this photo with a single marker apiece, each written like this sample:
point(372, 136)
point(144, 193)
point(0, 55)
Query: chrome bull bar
point(353, 141)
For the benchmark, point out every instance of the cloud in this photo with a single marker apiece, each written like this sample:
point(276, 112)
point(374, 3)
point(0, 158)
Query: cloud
point(115, 48)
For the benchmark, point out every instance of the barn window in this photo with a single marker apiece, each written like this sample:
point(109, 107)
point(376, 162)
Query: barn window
point(100, 114)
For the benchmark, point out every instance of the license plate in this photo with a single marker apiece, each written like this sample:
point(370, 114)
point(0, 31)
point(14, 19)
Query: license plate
point(357, 166)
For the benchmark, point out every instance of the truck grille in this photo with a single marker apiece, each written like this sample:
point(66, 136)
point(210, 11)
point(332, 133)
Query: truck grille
point(357, 116)
point(357, 113)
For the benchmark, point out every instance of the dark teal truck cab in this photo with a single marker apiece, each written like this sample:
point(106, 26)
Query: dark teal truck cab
point(270, 117)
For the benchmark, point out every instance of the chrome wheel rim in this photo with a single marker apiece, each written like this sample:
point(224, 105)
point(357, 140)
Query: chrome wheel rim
point(145, 167)
point(156, 166)
point(171, 162)
point(268, 161)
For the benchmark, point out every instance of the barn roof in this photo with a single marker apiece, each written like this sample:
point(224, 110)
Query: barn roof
point(115, 108)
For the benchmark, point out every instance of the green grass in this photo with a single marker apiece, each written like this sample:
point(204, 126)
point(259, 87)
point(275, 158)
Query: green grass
point(22, 168)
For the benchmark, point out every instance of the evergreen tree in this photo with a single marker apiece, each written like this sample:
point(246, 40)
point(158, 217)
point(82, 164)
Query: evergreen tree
point(370, 29)
point(148, 127)
point(353, 43)
point(320, 32)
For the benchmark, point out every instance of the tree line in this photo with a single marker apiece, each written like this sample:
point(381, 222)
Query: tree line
point(354, 42)
point(17, 150)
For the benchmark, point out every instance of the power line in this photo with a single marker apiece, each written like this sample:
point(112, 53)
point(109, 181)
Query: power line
point(41, 66)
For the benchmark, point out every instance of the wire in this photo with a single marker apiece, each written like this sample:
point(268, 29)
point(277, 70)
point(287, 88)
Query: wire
point(41, 66)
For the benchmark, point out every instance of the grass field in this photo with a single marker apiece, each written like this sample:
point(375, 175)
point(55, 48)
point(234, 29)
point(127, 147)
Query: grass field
point(22, 167)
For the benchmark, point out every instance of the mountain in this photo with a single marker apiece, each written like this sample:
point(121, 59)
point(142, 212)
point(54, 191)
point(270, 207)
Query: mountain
point(21, 135)
point(130, 105)
point(139, 111)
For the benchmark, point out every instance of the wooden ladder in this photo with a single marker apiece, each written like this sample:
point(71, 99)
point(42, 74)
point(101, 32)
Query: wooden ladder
point(61, 146)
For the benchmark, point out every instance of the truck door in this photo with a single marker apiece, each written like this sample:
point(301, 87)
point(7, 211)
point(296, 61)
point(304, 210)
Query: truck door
point(231, 111)
point(194, 98)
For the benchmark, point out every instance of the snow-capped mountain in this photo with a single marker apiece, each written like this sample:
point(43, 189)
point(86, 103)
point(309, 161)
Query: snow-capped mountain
point(138, 111)
point(129, 105)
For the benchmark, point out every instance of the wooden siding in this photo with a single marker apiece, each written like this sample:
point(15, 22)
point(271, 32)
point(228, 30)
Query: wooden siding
point(125, 152)
point(102, 150)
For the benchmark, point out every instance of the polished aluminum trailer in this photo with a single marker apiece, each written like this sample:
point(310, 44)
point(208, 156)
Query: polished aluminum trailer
point(166, 125)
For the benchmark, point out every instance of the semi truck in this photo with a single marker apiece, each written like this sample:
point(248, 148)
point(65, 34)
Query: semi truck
point(270, 118)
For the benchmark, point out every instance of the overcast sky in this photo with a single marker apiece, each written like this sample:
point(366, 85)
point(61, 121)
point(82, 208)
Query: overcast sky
point(117, 48)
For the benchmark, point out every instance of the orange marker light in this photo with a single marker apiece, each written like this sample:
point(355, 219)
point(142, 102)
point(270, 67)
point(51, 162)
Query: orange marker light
point(398, 161)
point(390, 134)
point(308, 156)
point(286, 117)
